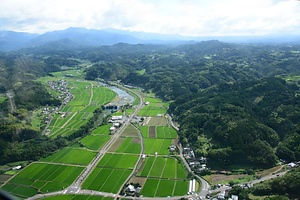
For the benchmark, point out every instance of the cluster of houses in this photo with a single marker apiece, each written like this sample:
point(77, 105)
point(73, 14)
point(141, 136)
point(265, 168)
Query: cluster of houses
point(116, 121)
point(61, 86)
point(197, 164)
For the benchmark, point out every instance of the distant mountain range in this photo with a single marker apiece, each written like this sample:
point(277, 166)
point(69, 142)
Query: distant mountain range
point(77, 37)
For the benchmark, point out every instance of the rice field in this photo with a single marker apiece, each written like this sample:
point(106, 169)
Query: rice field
point(163, 167)
point(41, 178)
point(71, 156)
point(106, 179)
point(94, 142)
point(164, 188)
point(102, 130)
point(77, 197)
point(159, 146)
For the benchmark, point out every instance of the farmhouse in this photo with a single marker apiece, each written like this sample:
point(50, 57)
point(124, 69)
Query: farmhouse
point(17, 167)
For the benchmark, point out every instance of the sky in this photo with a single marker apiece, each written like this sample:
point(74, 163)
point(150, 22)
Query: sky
point(184, 17)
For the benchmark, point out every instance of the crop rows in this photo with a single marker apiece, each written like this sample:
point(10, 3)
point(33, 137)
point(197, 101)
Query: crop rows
point(41, 177)
point(71, 156)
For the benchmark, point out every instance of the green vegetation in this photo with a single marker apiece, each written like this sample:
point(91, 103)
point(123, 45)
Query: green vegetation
point(77, 197)
point(94, 142)
point(161, 146)
point(71, 156)
point(288, 185)
point(41, 177)
point(102, 130)
point(164, 188)
point(106, 179)
point(163, 167)
point(118, 161)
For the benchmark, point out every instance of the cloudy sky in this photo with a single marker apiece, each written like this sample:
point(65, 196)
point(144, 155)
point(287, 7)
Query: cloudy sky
point(185, 17)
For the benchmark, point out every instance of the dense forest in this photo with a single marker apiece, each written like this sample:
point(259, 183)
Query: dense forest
point(235, 103)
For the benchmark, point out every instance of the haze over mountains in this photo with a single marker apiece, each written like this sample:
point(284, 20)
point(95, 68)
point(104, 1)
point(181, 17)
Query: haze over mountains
point(77, 37)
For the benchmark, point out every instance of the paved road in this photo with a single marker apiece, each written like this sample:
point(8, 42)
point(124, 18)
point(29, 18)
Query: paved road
point(250, 183)
point(204, 184)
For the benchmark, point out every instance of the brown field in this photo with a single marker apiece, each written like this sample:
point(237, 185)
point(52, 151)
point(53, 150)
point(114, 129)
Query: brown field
point(152, 132)
point(139, 180)
point(175, 141)
point(4, 178)
point(130, 131)
point(268, 171)
point(116, 144)
point(219, 178)
point(136, 140)
point(157, 121)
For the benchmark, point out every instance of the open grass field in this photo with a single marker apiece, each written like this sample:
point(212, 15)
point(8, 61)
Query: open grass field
point(77, 197)
point(161, 146)
point(130, 131)
point(164, 188)
point(106, 179)
point(71, 156)
point(102, 130)
point(163, 167)
point(157, 121)
point(94, 142)
point(126, 145)
point(120, 161)
point(41, 177)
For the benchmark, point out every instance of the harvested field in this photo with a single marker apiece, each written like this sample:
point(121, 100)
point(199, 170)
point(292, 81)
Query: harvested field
point(116, 144)
point(152, 132)
point(4, 178)
point(136, 140)
point(139, 180)
point(130, 131)
point(220, 178)
point(157, 121)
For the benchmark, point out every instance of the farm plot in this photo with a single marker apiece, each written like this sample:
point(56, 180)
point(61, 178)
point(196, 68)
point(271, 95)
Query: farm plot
point(157, 121)
point(165, 132)
point(120, 161)
point(145, 131)
point(41, 177)
point(152, 111)
point(163, 167)
point(77, 197)
point(71, 156)
point(130, 131)
point(94, 142)
point(161, 146)
point(126, 145)
point(102, 130)
point(106, 179)
point(164, 188)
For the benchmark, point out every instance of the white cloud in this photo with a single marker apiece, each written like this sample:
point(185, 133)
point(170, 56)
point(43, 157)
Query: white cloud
point(187, 17)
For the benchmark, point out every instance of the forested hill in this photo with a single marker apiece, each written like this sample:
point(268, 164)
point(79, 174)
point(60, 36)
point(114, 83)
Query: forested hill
point(225, 97)
point(242, 123)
